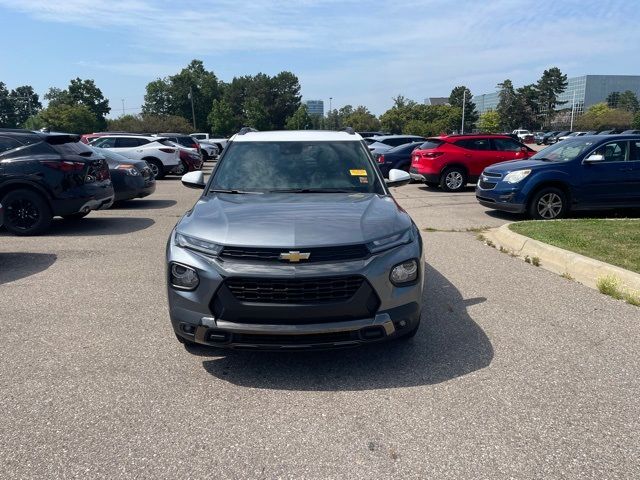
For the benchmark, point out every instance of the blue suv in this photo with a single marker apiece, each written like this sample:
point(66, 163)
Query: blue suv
point(584, 173)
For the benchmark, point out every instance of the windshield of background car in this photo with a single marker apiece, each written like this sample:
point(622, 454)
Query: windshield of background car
point(565, 151)
point(269, 166)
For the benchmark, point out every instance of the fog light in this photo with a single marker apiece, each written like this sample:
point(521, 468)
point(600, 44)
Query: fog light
point(404, 273)
point(183, 277)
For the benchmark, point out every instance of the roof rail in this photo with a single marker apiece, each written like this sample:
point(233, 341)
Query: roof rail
point(349, 130)
point(15, 130)
point(244, 130)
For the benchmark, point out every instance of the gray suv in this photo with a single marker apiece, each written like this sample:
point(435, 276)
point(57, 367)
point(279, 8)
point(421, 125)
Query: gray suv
point(295, 243)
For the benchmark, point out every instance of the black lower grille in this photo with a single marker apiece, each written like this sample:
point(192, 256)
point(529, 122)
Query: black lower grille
point(487, 185)
point(319, 254)
point(297, 290)
point(309, 339)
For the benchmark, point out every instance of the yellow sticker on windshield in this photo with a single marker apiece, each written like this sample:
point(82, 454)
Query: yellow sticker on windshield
point(358, 173)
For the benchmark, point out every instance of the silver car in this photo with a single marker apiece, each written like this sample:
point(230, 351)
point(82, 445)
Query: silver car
point(295, 243)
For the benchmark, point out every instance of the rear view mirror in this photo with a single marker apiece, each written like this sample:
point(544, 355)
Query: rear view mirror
point(193, 180)
point(397, 178)
point(594, 157)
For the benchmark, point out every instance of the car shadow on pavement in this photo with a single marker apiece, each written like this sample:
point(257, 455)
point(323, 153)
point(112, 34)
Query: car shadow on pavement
point(14, 266)
point(449, 344)
point(143, 204)
point(98, 226)
point(467, 189)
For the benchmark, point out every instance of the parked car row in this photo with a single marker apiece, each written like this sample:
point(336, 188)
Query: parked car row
point(549, 138)
point(44, 175)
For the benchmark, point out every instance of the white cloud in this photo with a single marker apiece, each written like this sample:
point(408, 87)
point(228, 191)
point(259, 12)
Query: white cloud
point(363, 51)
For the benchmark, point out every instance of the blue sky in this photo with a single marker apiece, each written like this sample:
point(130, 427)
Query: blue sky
point(358, 52)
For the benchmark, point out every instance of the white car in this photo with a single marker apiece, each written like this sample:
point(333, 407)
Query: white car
point(207, 138)
point(522, 134)
point(380, 144)
point(571, 135)
point(162, 155)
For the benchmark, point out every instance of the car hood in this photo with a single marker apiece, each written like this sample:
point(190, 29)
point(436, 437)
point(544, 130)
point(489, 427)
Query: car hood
point(293, 220)
point(506, 167)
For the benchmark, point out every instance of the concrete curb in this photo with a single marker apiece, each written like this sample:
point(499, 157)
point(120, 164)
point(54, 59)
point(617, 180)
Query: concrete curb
point(583, 269)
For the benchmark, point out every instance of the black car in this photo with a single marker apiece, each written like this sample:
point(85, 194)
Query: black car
point(556, 137)
point(398, 157)
point(548, 135)
point(130, 178)
point(612, 131)
point(43, 175)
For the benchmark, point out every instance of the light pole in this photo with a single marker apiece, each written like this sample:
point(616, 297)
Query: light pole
point(573, 108)
point(330, 98)
point(193, 111)
point(123, 106)
point(464, 102)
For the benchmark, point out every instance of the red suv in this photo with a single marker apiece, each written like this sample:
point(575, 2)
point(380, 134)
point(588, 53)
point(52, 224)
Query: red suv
point(452, 161)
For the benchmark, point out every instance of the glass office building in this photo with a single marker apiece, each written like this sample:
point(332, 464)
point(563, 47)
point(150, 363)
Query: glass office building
point(581, 92)
point(315, 107)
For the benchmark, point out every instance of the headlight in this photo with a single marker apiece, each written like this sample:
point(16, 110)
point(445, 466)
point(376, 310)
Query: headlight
point(129, 169)
point(516, 176)
point(391, 241)
point(198, 245)
point(183, 277)
point(404, 273)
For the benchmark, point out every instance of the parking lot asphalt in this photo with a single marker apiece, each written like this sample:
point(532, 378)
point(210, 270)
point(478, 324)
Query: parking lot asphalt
point(515, 373)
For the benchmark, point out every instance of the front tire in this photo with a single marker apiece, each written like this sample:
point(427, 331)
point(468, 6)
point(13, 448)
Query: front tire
point(157, 169)
point(26, 212)
point(453, 179)
point(548, 204)
point(181, 169)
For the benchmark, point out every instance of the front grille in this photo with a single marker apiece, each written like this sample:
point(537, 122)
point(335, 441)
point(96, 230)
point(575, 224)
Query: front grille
point(294, 291)
point(487, 185)
point(492, 175)
point(320, 254)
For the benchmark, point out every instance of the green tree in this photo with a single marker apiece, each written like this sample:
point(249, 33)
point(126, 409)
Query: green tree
point(150, 123)
point(256, 115)
point(300, 120)
point(628, 101)
point(285, 88)
point(361, 119)
point(173, 95)
point(526, 107)
point(395, 119)
point(489, 122)
point(156, 99)
point(26, 103)
point(612, 99)
point(458, 94)
point(552, 83)
point(636, 121)
point(507, 105)
point(81, 93)
point(221, 119)
point(7, 111)
point(67, 118)
point(601, 117)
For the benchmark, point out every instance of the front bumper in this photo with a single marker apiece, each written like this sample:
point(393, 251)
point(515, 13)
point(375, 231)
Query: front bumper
point(502, 198)
point(301, 326)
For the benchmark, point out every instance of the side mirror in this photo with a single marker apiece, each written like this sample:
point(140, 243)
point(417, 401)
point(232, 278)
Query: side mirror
point(193, 180)
point(594, 157)
point(397, 178)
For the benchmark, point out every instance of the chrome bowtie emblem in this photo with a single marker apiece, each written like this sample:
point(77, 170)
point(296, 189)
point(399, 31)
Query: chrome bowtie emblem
point(294, 256)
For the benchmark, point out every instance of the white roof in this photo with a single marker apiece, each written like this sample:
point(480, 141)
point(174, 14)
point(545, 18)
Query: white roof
point(296, 136)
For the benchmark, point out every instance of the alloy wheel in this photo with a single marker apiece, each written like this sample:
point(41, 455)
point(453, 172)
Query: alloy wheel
point(454, 180)
point(22, 213)
point(154, 169)
point(549, 206)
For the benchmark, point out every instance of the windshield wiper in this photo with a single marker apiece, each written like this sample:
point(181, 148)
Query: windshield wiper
point(312, 190)
point(220, 190)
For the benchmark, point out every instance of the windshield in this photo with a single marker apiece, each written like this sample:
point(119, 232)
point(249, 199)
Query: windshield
point(565, 151)
point(296, 166)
